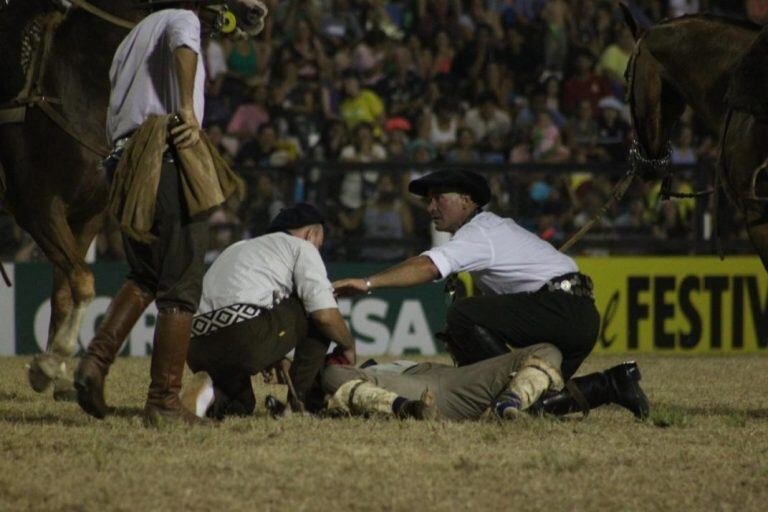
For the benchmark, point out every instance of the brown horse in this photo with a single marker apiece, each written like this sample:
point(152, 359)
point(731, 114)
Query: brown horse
point(54, 186)
point(689, 61)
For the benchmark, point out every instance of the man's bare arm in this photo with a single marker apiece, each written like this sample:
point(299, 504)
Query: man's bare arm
point(188, 133)
point(411, 272)
point(331, 324)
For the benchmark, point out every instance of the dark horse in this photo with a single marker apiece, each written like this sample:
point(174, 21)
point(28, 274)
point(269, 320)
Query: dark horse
point(690, 61)
point(53, 183)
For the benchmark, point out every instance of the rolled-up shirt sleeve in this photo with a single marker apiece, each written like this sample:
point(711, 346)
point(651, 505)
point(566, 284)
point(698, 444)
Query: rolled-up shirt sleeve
point(470, 249)
point(311, 280)
point(184, 30)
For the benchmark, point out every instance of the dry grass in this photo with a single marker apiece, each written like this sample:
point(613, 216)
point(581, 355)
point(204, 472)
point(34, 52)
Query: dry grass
point(705, 448)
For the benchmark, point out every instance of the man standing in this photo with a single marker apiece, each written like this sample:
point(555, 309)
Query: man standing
point(529, 292)
point(168, 176)
point(256, 298)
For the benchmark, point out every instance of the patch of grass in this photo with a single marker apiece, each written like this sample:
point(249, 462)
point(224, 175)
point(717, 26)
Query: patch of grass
point(667, 416)
point(55, 458)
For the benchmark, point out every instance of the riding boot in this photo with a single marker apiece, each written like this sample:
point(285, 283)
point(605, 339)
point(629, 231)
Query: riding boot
point(618, 385)
point(171, 342)
point(123, 312)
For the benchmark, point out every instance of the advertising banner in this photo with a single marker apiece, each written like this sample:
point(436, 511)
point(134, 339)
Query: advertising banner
point(647, 304)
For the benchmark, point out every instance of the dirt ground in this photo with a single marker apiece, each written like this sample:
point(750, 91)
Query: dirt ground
point(704, 448)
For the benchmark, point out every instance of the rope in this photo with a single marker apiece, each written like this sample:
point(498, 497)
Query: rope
point(120, 22)
point(616, 194)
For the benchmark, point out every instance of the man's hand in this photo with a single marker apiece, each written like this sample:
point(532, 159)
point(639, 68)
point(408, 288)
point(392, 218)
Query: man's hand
point(187, 134)
point(350, 287)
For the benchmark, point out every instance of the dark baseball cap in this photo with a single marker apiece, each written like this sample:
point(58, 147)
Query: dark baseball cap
point(467, 182)
point(295, 217)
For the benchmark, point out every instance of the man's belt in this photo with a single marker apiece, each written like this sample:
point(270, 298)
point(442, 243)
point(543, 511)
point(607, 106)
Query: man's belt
point(209, 323)
point(574, 283)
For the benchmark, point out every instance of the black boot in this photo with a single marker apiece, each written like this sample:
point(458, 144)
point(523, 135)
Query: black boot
point(618, 385)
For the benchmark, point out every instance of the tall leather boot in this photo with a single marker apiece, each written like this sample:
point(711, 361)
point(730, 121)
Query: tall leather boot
point(618, 385)
point(171, 342)
point(123, 312)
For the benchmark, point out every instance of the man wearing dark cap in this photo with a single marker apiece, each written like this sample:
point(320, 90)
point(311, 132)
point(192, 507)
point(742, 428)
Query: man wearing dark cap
point(261, 299)
point(529, 293)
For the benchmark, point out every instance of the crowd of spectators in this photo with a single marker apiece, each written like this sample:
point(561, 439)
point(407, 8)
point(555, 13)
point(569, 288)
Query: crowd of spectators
point(424, 83)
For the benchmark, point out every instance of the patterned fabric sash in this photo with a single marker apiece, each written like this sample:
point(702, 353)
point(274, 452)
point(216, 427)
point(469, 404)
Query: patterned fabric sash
point(224, 317)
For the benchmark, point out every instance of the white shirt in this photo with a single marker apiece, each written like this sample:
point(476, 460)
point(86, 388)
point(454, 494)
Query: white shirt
point(251, 271)
point(501, 256)
point(143, 76)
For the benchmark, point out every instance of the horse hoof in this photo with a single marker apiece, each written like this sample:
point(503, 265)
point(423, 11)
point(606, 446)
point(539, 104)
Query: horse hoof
point(64, 391)
point(44, 369)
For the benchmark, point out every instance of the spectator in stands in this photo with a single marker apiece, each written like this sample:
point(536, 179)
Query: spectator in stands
point(634, 221)
point(614, 59)
point(537, 103)
point(487, 117)
point(248, 117)
point(590, 201)
point(585, 84)
point(295, 109)
point(495, 149)
point(680, 7)
point(263, 204)
point(548, 144)
point(556, 15)
point(404, 88)
point(522, 150)
point(243, 61)
point(332, 141)
point(581, 132)
point(224, 228)
point(385, 221)
point(217, 106)
point(443, 53)
point(440, 125)
point(435, 15)
point(340, 25)
point(368, 58)
point(306, 52)
point(261, 150)
point(670, 223)
point(472, 61)
point(682, 150)
point(520, 53)
point(357, 186)
point(226, 147)
point(396, 130)
point(464, 149)
point(360, 105)
point(612, 131)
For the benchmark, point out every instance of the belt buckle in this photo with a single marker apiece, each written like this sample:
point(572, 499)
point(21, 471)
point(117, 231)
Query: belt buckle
point(565, 285)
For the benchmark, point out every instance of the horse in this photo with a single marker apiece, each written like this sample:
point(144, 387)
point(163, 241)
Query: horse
point(689, 61)
point(59, 60)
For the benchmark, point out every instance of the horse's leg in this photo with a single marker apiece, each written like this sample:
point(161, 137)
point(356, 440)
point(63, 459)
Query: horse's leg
point(73, 291)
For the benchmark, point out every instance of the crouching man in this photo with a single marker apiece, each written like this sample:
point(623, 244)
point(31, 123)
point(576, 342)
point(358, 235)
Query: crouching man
point(261, 299)
point(509, 383)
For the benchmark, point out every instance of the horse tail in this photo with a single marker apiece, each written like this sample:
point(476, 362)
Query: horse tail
point(631, 21)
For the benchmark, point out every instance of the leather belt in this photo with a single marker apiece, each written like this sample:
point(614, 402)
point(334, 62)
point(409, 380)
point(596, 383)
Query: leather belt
point(574, 283)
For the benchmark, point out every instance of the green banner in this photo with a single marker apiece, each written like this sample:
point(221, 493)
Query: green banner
point(390, 322)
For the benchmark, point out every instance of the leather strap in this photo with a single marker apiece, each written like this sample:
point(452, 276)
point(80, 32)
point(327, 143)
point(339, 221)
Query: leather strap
point(111, 18)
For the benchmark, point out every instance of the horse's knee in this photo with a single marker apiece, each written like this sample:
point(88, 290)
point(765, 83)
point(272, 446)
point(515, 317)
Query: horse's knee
point(81, 282)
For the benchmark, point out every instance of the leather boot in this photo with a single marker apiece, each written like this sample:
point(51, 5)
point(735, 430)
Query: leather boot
point(123, 312)
point(618, 385)
point(171, 342)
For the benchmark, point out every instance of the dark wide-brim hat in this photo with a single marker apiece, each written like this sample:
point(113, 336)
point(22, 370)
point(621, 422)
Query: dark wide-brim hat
point(295, 217)
point(466, 182)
